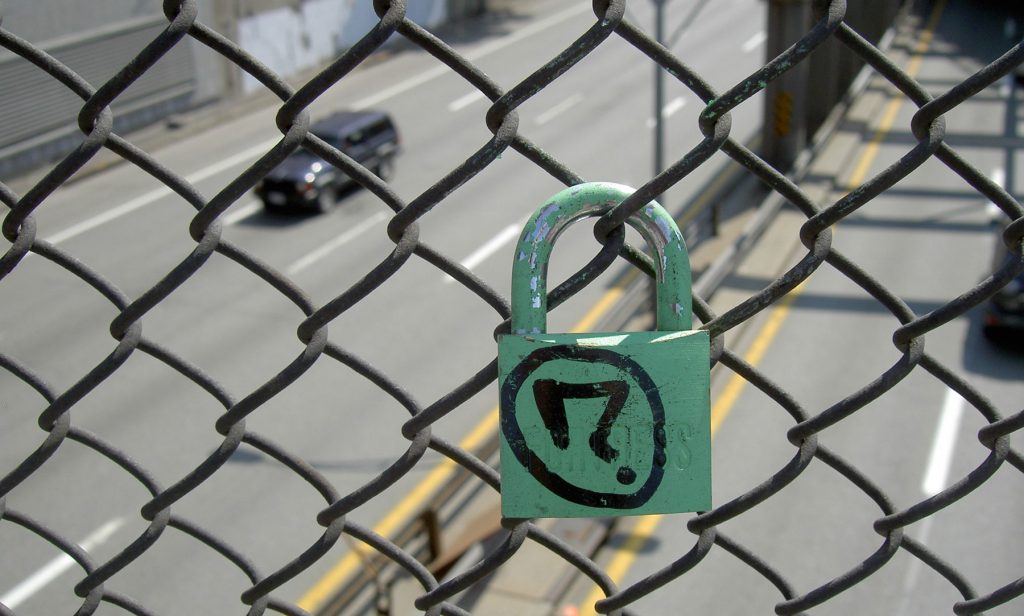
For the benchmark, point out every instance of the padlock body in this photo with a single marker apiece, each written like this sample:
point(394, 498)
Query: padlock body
point(604, 424)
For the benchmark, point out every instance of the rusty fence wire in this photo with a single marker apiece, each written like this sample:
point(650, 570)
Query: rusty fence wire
point(95, 121)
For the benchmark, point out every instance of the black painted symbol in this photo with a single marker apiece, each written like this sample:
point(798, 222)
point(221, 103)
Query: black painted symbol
point(551, 395)
point(550, 401)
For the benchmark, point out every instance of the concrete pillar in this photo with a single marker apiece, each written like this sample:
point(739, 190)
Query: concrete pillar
point(785, 126)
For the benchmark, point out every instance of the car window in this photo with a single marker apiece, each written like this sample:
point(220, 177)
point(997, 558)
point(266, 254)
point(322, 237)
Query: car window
point(333, 140)
point(379, 127)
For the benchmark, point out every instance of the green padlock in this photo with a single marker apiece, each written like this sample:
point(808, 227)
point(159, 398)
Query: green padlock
point(603, 424)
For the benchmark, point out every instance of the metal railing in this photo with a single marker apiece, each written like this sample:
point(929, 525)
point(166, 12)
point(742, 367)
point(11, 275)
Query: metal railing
point(159, 513)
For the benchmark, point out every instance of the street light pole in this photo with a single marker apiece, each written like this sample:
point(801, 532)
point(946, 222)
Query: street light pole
point(659, 126)
point(659, 90)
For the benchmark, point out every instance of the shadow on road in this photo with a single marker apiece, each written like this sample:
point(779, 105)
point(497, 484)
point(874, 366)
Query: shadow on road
point(625, 542)
point(348, 200)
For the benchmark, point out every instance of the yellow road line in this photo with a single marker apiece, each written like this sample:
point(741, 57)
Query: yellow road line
point(645, 527)
point(893, 108)
point(589, 320)
point(731, 392)
point(324, 588)
point(634, 543)
point(871, 150)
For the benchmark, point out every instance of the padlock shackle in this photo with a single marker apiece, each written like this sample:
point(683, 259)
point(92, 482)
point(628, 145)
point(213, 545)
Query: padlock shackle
point(533, 252)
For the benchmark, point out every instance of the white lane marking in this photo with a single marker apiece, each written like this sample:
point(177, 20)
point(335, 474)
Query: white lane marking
point(465, 101)
point(437, 71)
point(935, 479)
point(237, 215)
point(559, 109)
point(754, 42)
point(673, 106)
point(52, 570)
point(998, 177)
point(492, 246)
point(382, 95)
point(334, 244)
point(668, 110)
point(247, 155)
point(941, 457)
point(401, 87)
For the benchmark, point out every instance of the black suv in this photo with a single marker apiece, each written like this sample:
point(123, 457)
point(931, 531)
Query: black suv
point(306, 181)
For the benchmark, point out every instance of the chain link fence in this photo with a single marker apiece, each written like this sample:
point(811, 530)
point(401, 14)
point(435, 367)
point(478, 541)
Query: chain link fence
point(95, 119)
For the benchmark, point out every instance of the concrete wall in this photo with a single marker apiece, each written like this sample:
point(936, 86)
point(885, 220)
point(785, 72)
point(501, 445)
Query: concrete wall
point(95, 38)
point(798, 102)
point(298, 36)
point(40, 21)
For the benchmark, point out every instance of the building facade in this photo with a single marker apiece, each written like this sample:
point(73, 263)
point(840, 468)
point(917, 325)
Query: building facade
point(38, 115)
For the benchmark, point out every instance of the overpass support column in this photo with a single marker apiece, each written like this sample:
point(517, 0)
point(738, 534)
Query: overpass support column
point(785, 112)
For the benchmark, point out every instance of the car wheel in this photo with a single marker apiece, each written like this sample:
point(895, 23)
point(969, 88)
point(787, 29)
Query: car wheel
point(990, 333)
point(272, 209)
point(327, 199)
point(386, 168)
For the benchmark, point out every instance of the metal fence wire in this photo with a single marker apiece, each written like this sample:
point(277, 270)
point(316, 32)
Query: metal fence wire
point(95, 121)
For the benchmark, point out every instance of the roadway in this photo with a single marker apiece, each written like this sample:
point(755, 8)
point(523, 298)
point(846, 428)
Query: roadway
point(427, 334)
point(927, 239)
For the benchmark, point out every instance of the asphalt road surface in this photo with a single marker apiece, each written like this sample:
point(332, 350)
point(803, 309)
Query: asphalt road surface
point(426, 333)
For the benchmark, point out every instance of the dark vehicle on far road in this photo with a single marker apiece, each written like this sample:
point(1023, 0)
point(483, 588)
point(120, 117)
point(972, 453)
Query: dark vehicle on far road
point(304, 181)
point(1003, 320)
point(1004, 313)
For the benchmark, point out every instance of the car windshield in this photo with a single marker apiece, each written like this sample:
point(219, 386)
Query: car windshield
point(302, 152)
